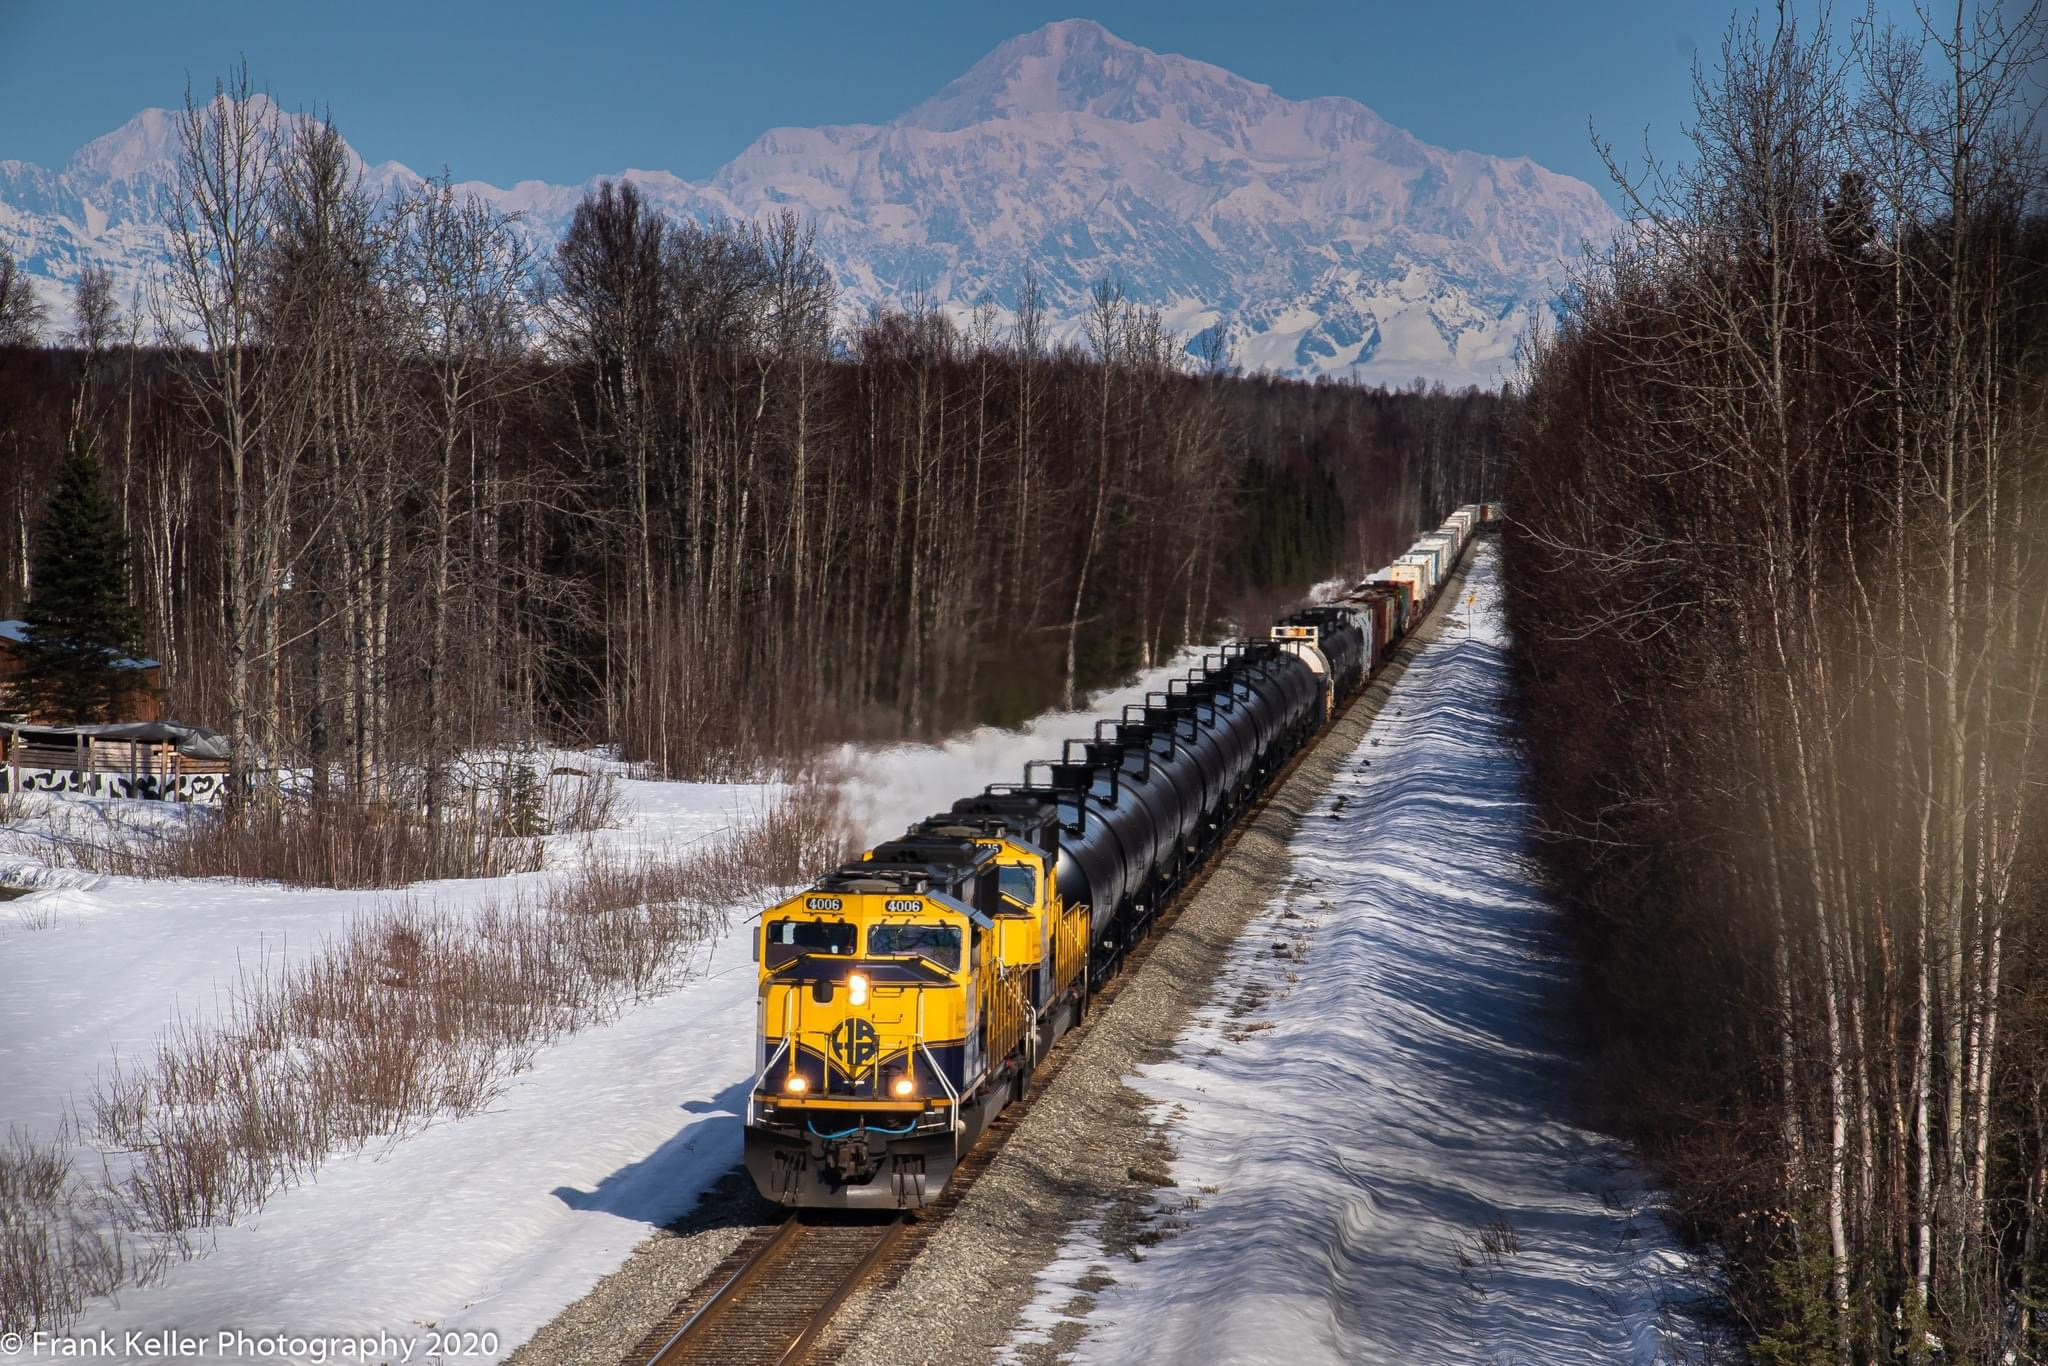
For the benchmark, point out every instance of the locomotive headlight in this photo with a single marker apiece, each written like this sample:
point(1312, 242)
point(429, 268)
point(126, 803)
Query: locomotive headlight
point(904, 1087)
point(857, 989)
point(795, 1085)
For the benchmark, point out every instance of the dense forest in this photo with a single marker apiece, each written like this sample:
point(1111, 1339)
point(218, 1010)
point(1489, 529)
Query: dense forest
point(1778, 574)
point(395, 482)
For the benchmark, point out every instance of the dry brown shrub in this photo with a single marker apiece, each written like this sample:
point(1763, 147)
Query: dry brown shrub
point(15, 807)
point(315, 842)
point(422, 1012)
point(63, 1240)
point(793, 838)
point(580, 801)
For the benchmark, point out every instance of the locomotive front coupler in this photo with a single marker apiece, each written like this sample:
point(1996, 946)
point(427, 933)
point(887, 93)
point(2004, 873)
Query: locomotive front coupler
point(850, 1160)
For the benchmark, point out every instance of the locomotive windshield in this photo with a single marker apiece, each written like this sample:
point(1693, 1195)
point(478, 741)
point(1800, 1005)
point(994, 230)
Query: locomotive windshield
point(1020, 884)
point(938, 943)
point(788, 940)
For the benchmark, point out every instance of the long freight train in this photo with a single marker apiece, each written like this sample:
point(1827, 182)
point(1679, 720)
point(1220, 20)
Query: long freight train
point(907, 997)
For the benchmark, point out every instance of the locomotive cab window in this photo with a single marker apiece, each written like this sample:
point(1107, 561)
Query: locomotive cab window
point(938, 943)
point(788, 940)
point(1020, 884)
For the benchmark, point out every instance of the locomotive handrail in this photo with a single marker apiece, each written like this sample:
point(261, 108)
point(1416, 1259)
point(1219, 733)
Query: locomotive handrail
point(945, 1082)
point(762, 1075)
point(1070, 944)
point(1006, 982)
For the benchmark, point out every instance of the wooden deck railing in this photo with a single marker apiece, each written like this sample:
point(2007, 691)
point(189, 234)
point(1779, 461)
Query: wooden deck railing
point(124, 757)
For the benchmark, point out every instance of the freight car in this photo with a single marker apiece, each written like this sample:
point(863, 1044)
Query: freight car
point(908, 996)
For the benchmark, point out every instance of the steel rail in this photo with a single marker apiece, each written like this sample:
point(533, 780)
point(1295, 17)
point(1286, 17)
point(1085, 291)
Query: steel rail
point(822, 1316)
point(737, 1323)
point(723, 1297)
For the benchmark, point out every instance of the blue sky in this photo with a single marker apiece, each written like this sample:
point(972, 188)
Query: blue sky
point(562, 90)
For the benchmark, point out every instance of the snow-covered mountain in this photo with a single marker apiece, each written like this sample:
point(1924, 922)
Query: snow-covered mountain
point(1315, 236)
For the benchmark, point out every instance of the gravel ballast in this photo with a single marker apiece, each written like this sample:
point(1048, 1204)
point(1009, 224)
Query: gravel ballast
point(624, 1307)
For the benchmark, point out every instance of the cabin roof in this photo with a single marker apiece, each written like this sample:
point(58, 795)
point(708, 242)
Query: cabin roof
point(15, 632)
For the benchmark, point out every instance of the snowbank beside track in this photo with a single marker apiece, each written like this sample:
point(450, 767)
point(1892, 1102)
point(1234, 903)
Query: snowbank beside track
point(1374, 1160)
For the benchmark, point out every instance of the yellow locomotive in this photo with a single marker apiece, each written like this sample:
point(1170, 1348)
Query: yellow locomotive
point(904, 1000)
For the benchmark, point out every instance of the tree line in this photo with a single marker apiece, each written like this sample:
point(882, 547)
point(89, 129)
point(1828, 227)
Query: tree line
point(394, 481)
point(1778, 578)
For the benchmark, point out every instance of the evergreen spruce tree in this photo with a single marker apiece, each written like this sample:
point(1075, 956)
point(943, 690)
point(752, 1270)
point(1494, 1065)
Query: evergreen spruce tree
point(80, 623)
point(1801, 1328)
point(523, 803)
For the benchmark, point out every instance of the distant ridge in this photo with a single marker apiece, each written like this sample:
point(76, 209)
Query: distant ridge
point(1315, 237)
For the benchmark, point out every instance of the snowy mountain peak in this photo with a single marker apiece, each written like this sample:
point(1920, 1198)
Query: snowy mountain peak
point(146, 148)
point(1311, 236)
point(1077, 66)
point(146, 145)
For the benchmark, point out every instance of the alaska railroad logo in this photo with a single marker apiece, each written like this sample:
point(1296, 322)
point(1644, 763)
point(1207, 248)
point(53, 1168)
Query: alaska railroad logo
point(855, 1044)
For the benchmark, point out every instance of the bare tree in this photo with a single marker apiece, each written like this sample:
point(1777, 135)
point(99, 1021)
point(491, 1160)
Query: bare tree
point(464, 278)
point(1108, 320)
point(95, 317)
point(610, 302)
point(206, 312)
point(21, 313)
point(333, 480)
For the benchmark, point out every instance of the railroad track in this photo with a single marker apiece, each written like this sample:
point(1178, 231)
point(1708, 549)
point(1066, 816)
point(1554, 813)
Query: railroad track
point(771, 1298)
point(774, 1296)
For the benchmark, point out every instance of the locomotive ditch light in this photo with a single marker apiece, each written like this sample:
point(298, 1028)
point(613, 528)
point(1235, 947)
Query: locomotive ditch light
point(796, 1085)
point(857, 989)
point(904, 1087)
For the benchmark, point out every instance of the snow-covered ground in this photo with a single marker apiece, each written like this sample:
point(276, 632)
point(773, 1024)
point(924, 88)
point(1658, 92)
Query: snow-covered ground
point(1374, 1157)
point(92, 966)
point(888, 788)
point(493, 1222)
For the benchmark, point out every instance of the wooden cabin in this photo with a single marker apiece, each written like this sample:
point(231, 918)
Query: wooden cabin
point(139, 702)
